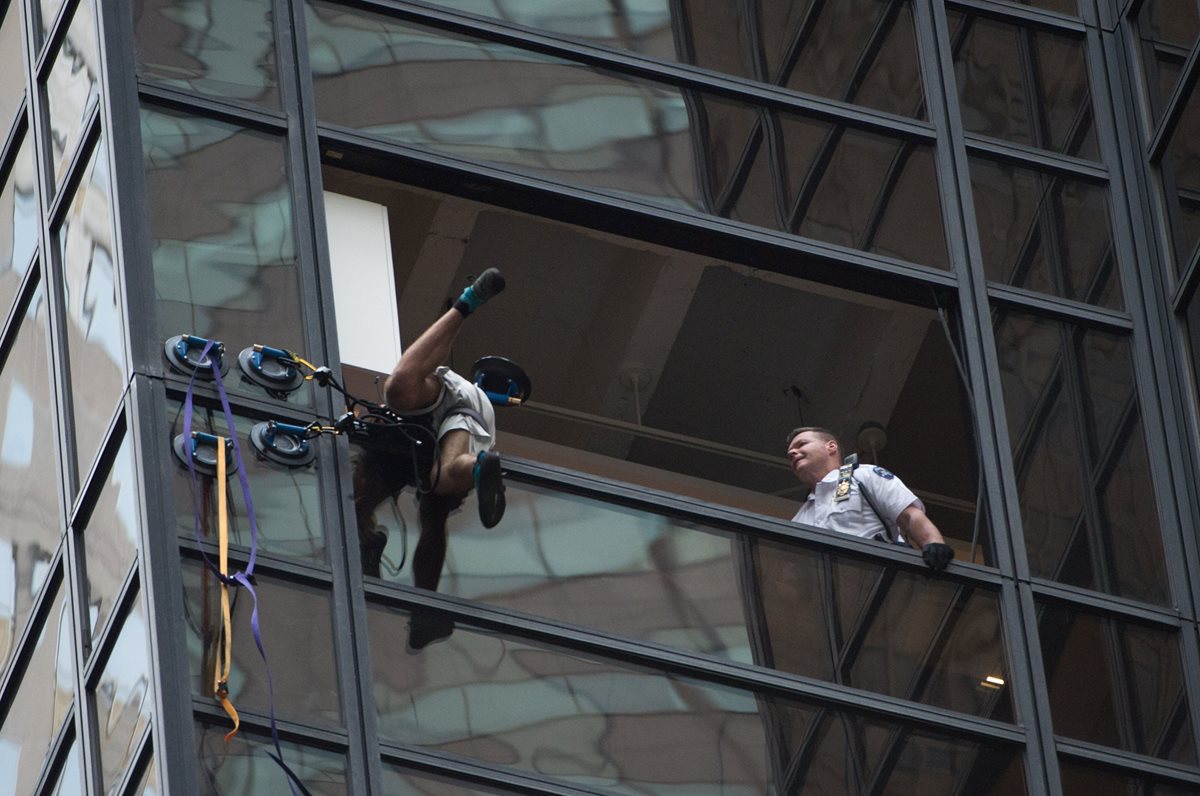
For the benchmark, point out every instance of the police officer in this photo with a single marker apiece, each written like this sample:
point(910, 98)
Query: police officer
point(863, 501)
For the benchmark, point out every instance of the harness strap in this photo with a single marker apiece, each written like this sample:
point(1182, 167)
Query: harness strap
point(224, 657)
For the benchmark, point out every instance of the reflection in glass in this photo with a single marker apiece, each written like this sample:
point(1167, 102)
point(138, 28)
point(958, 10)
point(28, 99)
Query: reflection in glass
point(72, 87)
point(1180, 173)
point(241, 767)
point(1023, 84)
point(571, 123)
point(70, 779)
point(224, 261)
point(97, 358)
point(1087, 502)
point(149, 784)
point(18, 224)
point(398, 781)
point(218, 48)
point(716, 398)
point(110, 540)
point(122, 697)
point(12, 65)
point(1115, 683)
point(860, 51)
point(1081, 780)
point(41, 703)
point(49, 12)
point(605, 725)
point(683, 584)
point(287, 501)
point(1046, 233)
point(1167, 29)
point(30, 532)
point(297, 634)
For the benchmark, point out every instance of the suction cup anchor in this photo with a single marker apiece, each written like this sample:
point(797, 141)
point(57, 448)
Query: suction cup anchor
point(183, 353)
point(282, 443)
point(270, 368)
point(202, 449)
point(502, 380)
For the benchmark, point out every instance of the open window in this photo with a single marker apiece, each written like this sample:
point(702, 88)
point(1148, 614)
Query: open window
point(656, 366)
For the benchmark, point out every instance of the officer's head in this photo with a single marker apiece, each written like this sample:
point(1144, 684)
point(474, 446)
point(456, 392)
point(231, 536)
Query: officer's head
point(813, 452)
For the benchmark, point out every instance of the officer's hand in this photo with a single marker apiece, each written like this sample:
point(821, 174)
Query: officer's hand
point(937, 555)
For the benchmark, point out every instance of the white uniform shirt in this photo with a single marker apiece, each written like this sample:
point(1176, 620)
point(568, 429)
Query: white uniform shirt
point(854, 515)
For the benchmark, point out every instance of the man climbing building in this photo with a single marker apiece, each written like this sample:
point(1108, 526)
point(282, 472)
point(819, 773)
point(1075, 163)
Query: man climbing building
point(459, 413)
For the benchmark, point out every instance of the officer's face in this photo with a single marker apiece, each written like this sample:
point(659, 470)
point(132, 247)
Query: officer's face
point(812, 457)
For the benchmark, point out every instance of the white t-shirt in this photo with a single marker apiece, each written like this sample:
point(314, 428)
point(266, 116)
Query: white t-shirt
point(854, 515)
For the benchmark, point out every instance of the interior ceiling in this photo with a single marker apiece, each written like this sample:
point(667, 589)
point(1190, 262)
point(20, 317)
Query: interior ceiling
point(719, 351)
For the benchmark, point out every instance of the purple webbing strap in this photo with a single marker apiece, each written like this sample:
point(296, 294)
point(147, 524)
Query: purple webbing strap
point(242, 577)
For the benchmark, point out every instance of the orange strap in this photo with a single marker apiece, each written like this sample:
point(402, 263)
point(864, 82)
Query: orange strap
point(225, 637)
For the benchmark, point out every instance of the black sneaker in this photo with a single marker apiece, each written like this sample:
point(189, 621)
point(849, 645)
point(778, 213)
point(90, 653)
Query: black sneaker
point(371, 550)
point(486, 286)
point(489, 488)
point(426, 629)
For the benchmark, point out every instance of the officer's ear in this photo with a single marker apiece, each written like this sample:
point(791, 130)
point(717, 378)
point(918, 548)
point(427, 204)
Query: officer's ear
point(831, 447)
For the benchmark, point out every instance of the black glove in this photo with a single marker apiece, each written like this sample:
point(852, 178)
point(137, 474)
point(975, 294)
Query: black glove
point(937, 555)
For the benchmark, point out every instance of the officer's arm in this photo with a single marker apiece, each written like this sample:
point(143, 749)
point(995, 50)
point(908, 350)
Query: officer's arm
point(920, 530)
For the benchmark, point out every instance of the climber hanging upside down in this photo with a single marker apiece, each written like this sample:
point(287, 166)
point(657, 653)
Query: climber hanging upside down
point(461, 416)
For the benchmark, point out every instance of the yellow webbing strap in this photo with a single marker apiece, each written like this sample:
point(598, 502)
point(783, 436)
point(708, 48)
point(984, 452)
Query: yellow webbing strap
point(225, 637)
point(296, 357)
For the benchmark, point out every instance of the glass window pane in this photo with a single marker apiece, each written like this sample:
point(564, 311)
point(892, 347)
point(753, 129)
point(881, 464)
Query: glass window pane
point(605, 725)
point(1081, 780)
point(1167, 29)
point(1046, 233)
point(94, 326)
point(12, 65)
point(861, 51)
point(220, 48)
point(110, 540)
point(49, 12)
point(1087, 502)
point(295, 623)
point(225, 260)
point(669, 369)
point(72, 87)
point(571, 123)
point(123, 698)
point(1180, 173)
point(1023, 84)
point(42, 702)
point(149, 784)
point(70, 779)
point(287, 501)
point(18, 224)
point(1061, 6)
point(241, 766)
point(398, 781)
point(28, 475)
point(1115, 683)
point(578, 560)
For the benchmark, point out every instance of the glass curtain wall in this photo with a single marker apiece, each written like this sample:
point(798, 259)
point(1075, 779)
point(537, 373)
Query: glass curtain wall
point(720, 221)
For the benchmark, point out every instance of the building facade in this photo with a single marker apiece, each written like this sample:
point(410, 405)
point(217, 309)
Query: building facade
point(962, 234)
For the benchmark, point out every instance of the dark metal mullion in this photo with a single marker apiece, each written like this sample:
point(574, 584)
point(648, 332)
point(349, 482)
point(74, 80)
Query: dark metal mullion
point(1129, 763)
point(56, 757)
point(798, 42)
point(1178, 721)
point(698, 114)
point(852, 644)
point(806, 749)
point(890, 182)
point(430, 761)
point(304, 179)
point(1030, 79)
point(23, 646)
point(14, 134)
point(732, 190)
point(1176, 104)
point(1057, 308)
point(1052, 21)
point(1187, 286)
point(824, 156)
point(1030, 698)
